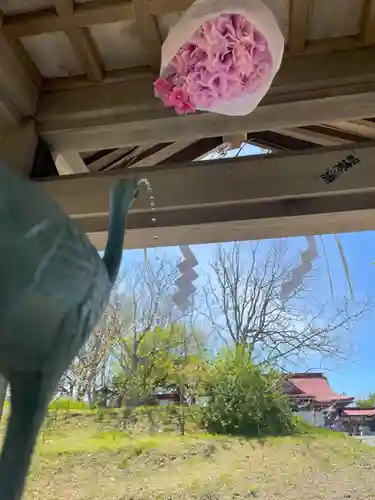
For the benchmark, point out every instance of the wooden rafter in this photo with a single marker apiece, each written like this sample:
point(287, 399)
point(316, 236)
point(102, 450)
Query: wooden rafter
point(235, 141)
point(107, 133)
point(19, 94)
point(324, 45)
point(162, 154)
point(104, 11)
point(86, 14)
point(96, 12)
point(360, 127)
point(69, 162)
point(337, 133)
point(367, 34)
point(194, 151)
point(18, 145)
point(160, 7)
point(279, 194)
point(81, 40)
point(313, 137)
point(278, 142)
point(108, 159)
point(149, 32)
point(299, 11)
point(307, 91)
point(28, 64)
point(130, 158)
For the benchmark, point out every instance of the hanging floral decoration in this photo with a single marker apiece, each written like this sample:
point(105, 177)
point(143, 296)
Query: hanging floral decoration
point(220, 58)
point(225, 59)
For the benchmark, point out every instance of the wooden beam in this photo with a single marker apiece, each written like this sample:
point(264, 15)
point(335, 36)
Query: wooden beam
point(367, 34)
point(79, 81)
point(299, 11)
point(218, 192)
point(249, 221)
point(324, 45)
point(30, 24)
point(337, 133)
point(235, 141)
point(86, 14)
point(149, 33)
point(160, 7)
point(69, 162)
point(81, 40)
point(306, 75)
point(196, 150)
point(359, 127)
point(24, 58)
point(278, 142)
point(18, 145)
point(298, 202)
point(17, 90)
point(108, 159)
point(313, 137)
point(104, 11)
point(307, 91)
point(91, 134)
point(163, 154)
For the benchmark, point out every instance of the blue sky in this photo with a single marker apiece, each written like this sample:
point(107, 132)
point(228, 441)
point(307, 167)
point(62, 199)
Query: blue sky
point(356, 376)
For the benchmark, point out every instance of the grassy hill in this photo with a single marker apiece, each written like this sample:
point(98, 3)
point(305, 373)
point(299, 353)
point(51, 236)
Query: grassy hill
point(80, 457)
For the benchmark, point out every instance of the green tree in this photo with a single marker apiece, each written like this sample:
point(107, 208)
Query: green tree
point(162, 356)
point(186, 370)
point(244, 398)
point(369, 402)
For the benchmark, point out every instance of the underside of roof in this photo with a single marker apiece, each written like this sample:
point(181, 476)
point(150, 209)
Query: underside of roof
point(81, 74)
point(65, 45)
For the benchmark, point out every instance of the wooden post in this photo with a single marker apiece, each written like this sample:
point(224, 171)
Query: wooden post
point(17, 146)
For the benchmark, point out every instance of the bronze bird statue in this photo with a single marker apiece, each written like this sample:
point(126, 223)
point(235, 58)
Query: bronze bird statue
point(54, 289)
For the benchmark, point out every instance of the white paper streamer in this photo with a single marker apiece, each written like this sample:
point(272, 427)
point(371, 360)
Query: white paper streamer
point(185, 282)
point(296, 279)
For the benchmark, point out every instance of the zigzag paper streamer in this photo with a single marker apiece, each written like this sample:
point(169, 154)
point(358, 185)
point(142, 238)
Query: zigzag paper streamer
point(345, 265)
point(296, 280)
point(182, 298)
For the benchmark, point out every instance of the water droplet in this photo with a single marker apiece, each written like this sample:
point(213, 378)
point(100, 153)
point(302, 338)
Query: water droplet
point(151, 200)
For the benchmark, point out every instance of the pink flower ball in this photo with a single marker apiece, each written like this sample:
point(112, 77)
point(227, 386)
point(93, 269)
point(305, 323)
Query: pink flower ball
point(225, 59)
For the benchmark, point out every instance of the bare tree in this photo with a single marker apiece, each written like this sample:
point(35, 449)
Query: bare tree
point(126, 342)
point(145, 295)
point(89, 372)
point(241, 301)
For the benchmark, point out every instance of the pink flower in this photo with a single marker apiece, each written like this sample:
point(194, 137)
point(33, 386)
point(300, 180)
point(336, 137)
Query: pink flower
point(225, 59)
point(178, 99)
point(162, 86)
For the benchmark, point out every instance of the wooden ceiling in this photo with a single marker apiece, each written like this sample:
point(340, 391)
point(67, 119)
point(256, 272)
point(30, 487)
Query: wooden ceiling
point(83, 71)
point(64, 39)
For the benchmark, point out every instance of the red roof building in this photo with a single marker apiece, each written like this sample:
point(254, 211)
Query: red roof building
point(358, 420)
point(313, 390)
point(359, 412)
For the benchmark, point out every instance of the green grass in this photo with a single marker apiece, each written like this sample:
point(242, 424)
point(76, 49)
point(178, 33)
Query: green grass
point(68, 404)
point(81, 458)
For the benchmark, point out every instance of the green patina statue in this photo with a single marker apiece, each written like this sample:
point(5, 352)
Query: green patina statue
point(54, 288)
